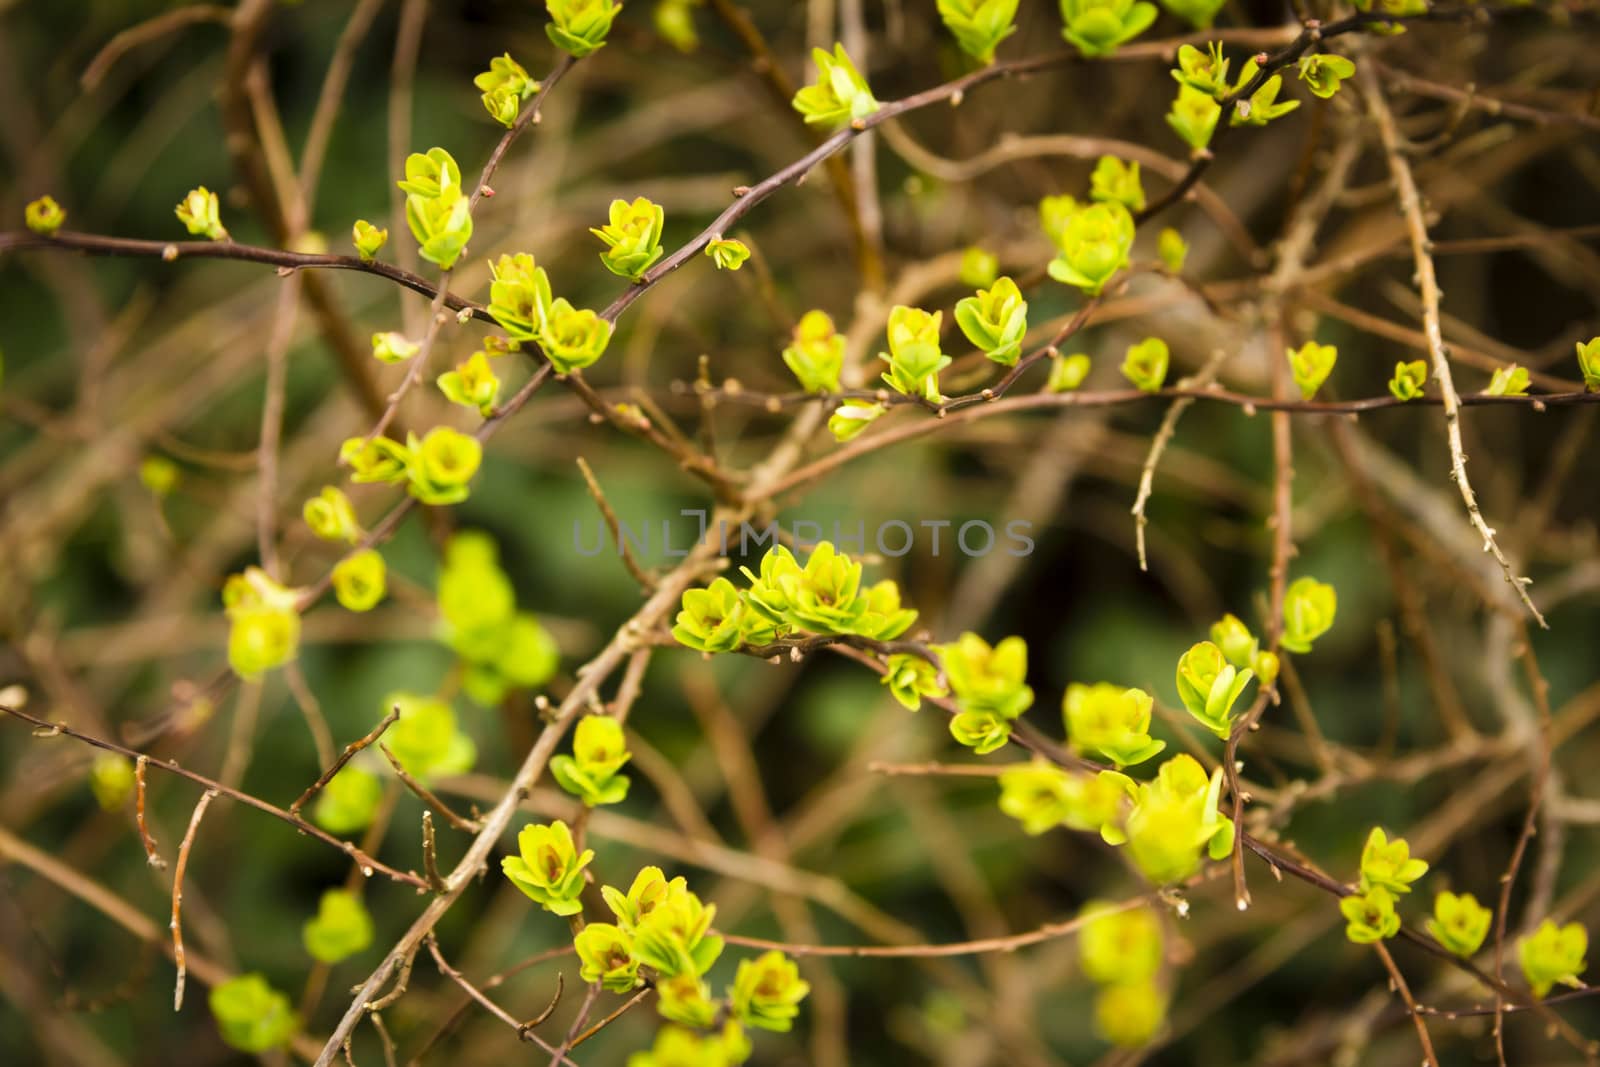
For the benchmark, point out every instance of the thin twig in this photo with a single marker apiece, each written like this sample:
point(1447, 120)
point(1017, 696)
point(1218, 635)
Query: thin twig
point(1158, 445)
point(177, 896)
point(525, 1030)
point(430, 856)
point(367, 862)
point(1429, 292)
point(1411, 1005)
point(344, 757)
point(151, 855)
point(640, 575)
point(427, 796)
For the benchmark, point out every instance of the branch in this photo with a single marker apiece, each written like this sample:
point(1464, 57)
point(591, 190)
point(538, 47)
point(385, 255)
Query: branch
point(367, 863)
point(1428, 289)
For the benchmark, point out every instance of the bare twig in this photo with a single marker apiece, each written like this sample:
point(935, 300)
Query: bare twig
point(178, 868)
point(344, 757)
point(427, 796)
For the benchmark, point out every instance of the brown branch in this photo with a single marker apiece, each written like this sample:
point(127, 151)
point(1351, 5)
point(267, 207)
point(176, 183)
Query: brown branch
point(1404, 990)
point(151, 855)
point(1009, 943)
point(367, 863)
point(524, 1030)
point(344, 757)
point(1430, 293)
point(178, 869)
point(427, 796)
point(640, 575)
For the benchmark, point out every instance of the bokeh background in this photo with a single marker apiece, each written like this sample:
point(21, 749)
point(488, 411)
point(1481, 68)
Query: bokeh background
point(109, 614)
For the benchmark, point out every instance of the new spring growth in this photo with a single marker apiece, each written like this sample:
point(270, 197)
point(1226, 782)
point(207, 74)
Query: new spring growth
point(1459, 923)
point(426, 739)
point(1205, 72)
point(1172, 250)
point(1099, 27)
point(1036, 794)
point(573, 338)
point(438, 211)
point(519, 296)
point(1121, 951)
point(1510, 380)
point(579, 27)
point(914, 357)
point(839, 96)
point(1589, 363)
point(817, 355)
point(340, 929)
point(378, 460)
point(1370, 916)
point(1145, 365)
point(606, 956)
point(440, 465)
point(1042, 796)
point(676, 1047)
point(111, 780)
point(1309, 607)
point(727, 253)
point(1398, 8)
point(1242, 649)
point(848, 420)
point(252, 1016)
point(368, 239)
point(505, 85)
point(44, 216)
point(995, 321)
point(1067, 373)
point(1199, 13)
point(632, 237)
point(674, 937)
point(1310, 365)
point(360, 580)
point(598, 753)
point(1553, 954)
point(548, 867)
point(331, 517)
point(1054, 214)
point(824, 597)
point(1389, 864)
point(264, 627)
point(686, 999)
point(910, 678)
point(500, 647)
point(159, 475)
point(1118, 944)
point(1116, 179)
point(1193, 117)
point(472, 384)
point(1209, 687)
point(1173, 820)
point(200, 215)
point(979, 267)
point(674, 21)
point(1111, 721)
point(1263, 105)
point(711, 619)
point(348, 804)
point(990, 688)
point(767, 991)
point(1324, 72)
point(979, 25)
point(391, 347)
point(1130, 1014)
point(1094, 245)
